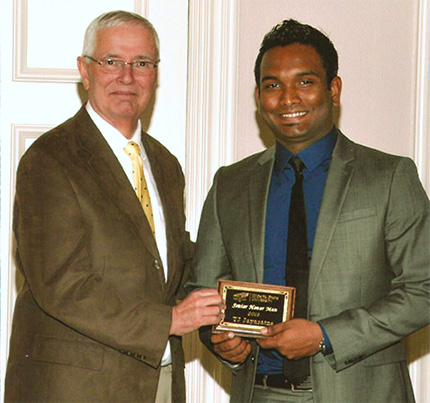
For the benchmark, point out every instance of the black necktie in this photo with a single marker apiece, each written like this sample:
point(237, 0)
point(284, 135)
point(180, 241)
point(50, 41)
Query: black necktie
point(297, 265)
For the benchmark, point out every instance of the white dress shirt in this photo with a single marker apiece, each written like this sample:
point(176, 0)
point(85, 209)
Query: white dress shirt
point(117, 143)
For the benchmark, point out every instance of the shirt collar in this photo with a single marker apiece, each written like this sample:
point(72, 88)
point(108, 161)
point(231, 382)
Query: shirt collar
point(312, 156)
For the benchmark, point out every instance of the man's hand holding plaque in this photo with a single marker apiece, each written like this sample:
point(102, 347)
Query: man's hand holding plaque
point(229, 347)
point(294, 339)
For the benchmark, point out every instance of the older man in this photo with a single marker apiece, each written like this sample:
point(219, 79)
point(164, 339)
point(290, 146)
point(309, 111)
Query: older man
point(97, 319)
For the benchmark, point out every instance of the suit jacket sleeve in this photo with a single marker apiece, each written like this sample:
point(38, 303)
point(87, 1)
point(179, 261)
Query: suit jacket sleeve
point(210, 261)
point(404, 307)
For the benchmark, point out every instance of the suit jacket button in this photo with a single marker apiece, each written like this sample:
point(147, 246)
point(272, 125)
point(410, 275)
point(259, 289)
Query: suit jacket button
point(156, 264)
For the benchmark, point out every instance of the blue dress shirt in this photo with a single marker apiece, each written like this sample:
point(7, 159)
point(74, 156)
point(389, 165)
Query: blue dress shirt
point(317, 159)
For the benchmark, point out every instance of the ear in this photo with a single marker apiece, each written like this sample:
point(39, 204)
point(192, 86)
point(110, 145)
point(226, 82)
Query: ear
point(257, 96)
point(335, 90)
point(83, 68)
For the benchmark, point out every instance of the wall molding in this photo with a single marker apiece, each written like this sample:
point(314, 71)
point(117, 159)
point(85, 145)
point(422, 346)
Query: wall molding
point(21, 138)
point(210, 134)
point(21, 70)
point(141, 7)
point(212, 95)
point(419, 343)
point(422, 94)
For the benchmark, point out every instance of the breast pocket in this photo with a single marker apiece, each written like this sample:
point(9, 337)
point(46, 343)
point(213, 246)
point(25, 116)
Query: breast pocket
point(357, 214)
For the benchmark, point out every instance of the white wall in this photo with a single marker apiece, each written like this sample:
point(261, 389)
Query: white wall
point(376, 43)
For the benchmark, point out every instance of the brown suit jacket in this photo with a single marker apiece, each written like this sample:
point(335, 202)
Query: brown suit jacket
point(92, 319)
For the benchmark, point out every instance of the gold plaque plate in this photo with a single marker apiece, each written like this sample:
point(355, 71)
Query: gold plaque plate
point(252, 306)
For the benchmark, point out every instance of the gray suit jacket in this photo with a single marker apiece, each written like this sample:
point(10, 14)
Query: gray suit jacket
point(92, 320)
point(370, 271)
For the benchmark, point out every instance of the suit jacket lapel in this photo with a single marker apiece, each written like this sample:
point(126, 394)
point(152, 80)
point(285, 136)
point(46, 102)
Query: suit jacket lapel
point(111, 176)
point(156, 168)
point(258, 189)
point(338, 179)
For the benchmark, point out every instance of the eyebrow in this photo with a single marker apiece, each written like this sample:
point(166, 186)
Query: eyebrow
point(138, 57)
point(301, 74)
point(267, 78)
point(309, 73)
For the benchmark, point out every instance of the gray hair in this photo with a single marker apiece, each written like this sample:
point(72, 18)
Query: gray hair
point(114, 19)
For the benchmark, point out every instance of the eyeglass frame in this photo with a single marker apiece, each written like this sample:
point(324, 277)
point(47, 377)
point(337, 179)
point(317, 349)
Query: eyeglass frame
point(124, 63)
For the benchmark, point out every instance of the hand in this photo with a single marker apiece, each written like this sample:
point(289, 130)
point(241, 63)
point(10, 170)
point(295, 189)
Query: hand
point(294, 339)
point(230, 347)
point(201, 308)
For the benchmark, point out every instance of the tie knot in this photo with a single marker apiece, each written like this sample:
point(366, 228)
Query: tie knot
point(297, 164)
point(132, 149)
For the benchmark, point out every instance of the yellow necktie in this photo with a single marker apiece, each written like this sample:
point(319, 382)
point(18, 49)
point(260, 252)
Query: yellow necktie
point(141, 187)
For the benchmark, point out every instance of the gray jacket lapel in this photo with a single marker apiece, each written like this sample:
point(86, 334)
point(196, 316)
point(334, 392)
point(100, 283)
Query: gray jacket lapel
point(338, 179)
point(258, 188)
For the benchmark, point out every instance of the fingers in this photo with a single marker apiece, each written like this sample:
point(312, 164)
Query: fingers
point(269, 342)
point(274, 330)
point(205, 297)
point(230, 347)
point(270, 334)
point(205, 292)
point(213, 310)
point(201, 308)
point(221, 337)
point(294, 339)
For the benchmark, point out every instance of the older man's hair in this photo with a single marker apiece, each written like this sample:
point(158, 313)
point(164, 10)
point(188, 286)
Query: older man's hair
point(290, 32)
point(113, 19)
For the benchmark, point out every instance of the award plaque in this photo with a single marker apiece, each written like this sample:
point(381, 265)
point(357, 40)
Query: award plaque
point(252, 306)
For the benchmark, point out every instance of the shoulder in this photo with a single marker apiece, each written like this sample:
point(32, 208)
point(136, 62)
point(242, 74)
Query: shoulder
point(153, 146)
point(380, 172)
point(54, 145)
point(367, 158)
point(64, 135)
point(160, 156)
point(248, 166)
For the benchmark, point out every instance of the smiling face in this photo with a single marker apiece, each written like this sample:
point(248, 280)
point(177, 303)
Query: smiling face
point(120, 97)
point(293, 97)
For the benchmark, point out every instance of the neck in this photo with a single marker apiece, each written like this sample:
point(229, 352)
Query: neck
point(299, 145)
point(125, 125)
point(127, 128)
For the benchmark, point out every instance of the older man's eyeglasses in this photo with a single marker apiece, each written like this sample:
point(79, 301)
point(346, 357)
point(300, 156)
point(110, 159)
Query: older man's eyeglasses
point(138, 66)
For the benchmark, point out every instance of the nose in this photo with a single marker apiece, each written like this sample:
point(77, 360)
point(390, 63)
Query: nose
point(290, 96)
point(126, 74)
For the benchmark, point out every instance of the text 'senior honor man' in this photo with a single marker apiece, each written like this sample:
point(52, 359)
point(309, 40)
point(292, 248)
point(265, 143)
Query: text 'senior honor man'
point(252, 306)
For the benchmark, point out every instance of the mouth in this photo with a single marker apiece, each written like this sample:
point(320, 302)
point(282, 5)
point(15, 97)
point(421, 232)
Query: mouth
point(293, 115)
point(123, 93)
